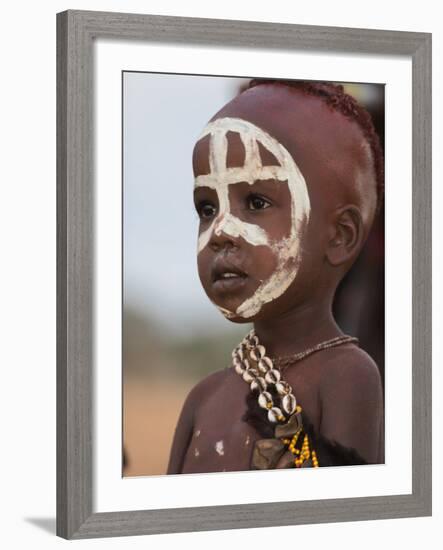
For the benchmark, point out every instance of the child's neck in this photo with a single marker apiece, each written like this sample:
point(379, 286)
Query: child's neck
point(298, 329)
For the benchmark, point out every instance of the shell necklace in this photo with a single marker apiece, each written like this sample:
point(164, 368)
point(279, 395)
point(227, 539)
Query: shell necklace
point(251, 363)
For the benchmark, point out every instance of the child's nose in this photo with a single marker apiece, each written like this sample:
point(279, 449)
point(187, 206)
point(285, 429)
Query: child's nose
point(221, 235)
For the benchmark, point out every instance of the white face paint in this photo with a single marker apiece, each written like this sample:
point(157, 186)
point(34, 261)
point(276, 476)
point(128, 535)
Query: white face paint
point(219, 179)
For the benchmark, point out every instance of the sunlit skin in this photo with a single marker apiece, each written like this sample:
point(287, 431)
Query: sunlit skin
point(339, 388)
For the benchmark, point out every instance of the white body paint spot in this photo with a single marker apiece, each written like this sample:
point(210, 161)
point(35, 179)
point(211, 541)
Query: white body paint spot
point(196, 452)
point(247, 440)
point(219, 447)
point(197, 433)
point(220, 177)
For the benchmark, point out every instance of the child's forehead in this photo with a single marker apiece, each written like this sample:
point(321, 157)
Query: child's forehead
point(237, 144)
point(291, 117)
point(324, 144)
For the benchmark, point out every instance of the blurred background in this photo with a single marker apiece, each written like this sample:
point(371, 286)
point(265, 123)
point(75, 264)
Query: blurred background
point(173, 335)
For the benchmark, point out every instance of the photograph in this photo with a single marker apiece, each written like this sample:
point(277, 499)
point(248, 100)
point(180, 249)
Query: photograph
point(243, 274)
point(253, 231)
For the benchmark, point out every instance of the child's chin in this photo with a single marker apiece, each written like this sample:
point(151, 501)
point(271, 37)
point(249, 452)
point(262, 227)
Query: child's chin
point(238, 320)
point(230, 315)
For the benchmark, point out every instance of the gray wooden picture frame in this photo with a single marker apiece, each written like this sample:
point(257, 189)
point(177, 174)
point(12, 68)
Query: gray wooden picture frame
point(76, 31)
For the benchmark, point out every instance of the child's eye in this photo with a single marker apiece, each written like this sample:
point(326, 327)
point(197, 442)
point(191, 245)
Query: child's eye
point(205, 209)
point(256, 202)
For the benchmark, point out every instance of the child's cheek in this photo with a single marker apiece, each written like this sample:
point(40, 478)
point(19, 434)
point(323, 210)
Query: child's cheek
point(204, 268)
point(264, 264)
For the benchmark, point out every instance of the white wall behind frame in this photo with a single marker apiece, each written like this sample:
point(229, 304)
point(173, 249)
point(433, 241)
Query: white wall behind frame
point(28, 271)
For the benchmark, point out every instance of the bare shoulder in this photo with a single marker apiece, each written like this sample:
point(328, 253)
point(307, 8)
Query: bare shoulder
point(205, 387)
point(198, 394)
point(352, 402)
point(210, 381)
point(349, 367)
point(184, 427)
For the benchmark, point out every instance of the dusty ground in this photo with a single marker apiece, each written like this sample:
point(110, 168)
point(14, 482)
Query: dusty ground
point(150, 413)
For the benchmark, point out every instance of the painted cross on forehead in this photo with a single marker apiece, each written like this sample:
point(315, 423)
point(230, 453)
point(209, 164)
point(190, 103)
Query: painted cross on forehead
point(220, 177)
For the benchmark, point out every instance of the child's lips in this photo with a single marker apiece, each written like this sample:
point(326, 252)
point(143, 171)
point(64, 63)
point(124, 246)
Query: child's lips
point(230, 284)
point(227, 276)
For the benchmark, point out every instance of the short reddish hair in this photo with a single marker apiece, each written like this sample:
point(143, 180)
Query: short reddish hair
point(335, 96)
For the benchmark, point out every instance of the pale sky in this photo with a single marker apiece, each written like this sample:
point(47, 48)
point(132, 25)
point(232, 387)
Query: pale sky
point(163, 115)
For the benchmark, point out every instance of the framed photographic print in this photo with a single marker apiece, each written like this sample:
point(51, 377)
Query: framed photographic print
point(244, 279)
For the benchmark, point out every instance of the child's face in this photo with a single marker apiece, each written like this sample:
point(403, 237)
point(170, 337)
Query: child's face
point(254, 164)
point(254, 206)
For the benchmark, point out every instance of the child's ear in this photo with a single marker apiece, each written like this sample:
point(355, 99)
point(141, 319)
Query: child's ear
point(347, 235)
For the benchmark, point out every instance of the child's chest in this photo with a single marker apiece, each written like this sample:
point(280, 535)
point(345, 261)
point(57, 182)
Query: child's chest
point(221, 439)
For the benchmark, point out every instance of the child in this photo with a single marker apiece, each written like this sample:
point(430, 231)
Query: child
point(289, 178)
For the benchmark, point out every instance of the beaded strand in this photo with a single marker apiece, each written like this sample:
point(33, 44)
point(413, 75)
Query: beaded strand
point(284, 362)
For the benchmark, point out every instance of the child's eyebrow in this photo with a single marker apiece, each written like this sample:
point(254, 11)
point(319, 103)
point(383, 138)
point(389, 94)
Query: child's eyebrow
point(269, 182)
point(204, 193)
point(271, 186)
point(204, 189)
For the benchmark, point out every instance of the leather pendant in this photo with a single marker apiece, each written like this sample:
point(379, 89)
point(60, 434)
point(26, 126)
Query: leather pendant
point(286, 461)
point(290, 427)
point(267, 453)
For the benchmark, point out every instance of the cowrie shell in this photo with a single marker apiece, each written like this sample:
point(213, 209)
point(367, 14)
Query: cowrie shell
point(253, 340)
point(258, 352)
point(239, 368)
point(265, 364)
point(283, 387)
point(259, 384)
point(272, 376)
point(273, 414)
point(265, 399)
point(249, 375)
point(289, 403)
point(237, 361)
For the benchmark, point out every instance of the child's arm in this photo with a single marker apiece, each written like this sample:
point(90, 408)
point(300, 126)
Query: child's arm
point(185, 424)
point(352, 407)
point(182, 434)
